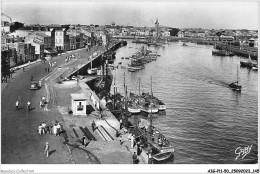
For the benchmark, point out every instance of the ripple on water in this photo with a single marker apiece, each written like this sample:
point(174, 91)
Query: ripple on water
point(205, 120)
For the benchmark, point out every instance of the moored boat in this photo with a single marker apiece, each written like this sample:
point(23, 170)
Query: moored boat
point(248, 64)
point(235, 85)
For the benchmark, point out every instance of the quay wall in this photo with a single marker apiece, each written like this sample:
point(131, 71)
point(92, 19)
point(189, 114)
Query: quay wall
point(111, 123)
point(240, 51)
point(96, 59)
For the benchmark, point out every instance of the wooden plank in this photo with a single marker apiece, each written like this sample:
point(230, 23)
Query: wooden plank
point(90, 135)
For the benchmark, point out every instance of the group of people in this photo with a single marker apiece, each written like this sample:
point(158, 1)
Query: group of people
point(68, 58)
point(47, 69)
point(133, 141)
point(44, 129)
point(17, 104)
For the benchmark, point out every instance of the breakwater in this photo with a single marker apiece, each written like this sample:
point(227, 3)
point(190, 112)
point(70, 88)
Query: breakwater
point(240, 51)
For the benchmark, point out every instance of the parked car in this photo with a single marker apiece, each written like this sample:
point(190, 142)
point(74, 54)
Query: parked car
point(34, 85)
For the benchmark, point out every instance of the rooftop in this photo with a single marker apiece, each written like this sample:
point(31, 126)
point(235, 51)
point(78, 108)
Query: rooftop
point(78, 96)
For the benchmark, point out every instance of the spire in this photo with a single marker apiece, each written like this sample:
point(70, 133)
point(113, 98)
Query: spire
point(156, 21)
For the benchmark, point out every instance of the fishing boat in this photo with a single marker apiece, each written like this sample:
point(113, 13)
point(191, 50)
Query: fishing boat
point(131, 69)
point(162, 149)
point(248, 64)
point(133, 109)
point(255, 67)
point(184, 44)
point(151, 108)
point(160, 152)
point(161, 106)
point(235, 85)
point(92, 70)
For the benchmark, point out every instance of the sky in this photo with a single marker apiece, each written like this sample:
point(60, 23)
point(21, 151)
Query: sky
point(187, 14)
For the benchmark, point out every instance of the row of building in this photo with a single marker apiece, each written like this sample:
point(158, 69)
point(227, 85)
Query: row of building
point(36, 42)
point(32, 42)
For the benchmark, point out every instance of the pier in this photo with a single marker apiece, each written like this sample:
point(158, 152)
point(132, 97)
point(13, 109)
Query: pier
point(240, 51)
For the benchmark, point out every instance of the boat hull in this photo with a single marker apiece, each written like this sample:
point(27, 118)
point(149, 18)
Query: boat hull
point(134, 110)
point(162, 156)
point(162, 107)
point(235, 87)
point(149, 110)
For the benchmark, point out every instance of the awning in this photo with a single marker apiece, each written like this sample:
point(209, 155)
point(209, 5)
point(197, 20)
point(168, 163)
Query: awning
point(49, 50)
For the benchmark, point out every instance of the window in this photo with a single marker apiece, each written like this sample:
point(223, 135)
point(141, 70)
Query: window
point(60, 40)
point(60, 33)
point(56, 34)
point(56, 40)
point(80, 107)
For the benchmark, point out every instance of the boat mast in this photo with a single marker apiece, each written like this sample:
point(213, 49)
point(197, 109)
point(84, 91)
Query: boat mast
point(151, 115)
point(124, 81)
point(237, 75)
point(115, 89)
point(139, 84)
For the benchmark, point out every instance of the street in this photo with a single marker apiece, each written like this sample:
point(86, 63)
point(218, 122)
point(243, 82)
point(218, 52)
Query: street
point(21, 143)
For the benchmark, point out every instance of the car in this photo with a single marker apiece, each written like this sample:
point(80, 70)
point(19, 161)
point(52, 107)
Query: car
point(34, 85)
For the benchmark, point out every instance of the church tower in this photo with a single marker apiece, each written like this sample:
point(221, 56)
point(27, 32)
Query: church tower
point(157, 27)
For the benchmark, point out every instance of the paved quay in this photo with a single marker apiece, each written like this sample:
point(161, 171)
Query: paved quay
point(100, 151)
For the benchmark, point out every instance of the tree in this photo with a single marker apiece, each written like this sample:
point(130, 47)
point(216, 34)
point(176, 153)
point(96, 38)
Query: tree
point(174, 31)
point(15, 26)
point(5, 63)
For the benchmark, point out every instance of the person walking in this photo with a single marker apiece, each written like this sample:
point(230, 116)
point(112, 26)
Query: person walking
point(93, 125)
point(121, 122)
point(132, 142)
point(41, 105)
point(23, 69)
point(43, 128)
point(55, 129)
point(83, 140)
point(120, 140)
point(45, 70)
point(17, 105)
point(46, 149)
point(58, 129)
point(31, 78)
point(48, 69)
point(40, 129)
point(29, 105)
point(150, 159)
point(51, 128)
point(135, 158)
point(43, 99)
point(138, 148)
point(47, 128)
point(160, 142)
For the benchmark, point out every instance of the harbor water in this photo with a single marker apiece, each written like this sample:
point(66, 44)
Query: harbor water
point(207, 122)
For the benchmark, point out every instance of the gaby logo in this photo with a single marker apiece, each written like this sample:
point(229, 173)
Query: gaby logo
point(242, 151)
